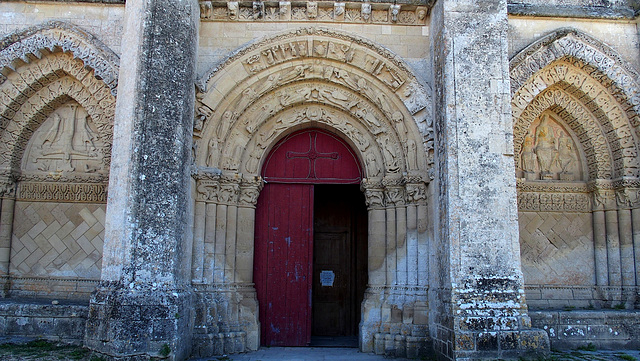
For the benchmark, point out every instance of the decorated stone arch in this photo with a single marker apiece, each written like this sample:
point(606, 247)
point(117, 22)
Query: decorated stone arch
point(575, 109)
point(366, 96)
point(57, 103)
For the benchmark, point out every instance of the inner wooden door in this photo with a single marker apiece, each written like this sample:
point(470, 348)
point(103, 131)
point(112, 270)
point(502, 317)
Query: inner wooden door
point(339, 260)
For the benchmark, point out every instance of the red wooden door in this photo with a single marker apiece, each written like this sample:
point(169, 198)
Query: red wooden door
point(282, 267)
point(283, 263)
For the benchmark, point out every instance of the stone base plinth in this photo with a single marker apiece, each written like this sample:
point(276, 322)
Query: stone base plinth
point(395, 322)
point(492, 345)
point(226, 320)
point(605, 329)
point(140, 324)
point(61, 321)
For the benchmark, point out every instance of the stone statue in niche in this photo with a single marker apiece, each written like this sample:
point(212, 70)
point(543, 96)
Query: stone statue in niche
point(566, 157)
point(66, 142)
point(212, 151)
point(529, 158)
point(545, 148)
point(549, 152)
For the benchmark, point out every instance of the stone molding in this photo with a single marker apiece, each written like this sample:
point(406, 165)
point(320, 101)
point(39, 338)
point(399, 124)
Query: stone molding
point(314, 11)
point(35, 42)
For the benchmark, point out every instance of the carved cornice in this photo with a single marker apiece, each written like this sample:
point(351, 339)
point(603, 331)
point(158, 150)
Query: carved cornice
point(314, 11)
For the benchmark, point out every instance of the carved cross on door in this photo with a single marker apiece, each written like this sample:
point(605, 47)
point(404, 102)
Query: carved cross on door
point(312, 154)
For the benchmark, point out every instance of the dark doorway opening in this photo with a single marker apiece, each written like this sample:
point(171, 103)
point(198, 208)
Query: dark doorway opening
point(339, 264)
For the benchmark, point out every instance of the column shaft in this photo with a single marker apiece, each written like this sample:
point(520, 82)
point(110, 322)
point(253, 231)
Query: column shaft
point(600, 248)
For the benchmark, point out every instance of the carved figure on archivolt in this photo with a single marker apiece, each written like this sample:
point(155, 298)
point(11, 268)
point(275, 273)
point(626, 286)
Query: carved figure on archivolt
point(67, 142)
point(391, 154)
point(212, 152)
point(373, 168)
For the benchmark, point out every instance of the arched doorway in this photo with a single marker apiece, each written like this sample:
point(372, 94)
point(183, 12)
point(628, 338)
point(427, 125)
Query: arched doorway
point(310, 266)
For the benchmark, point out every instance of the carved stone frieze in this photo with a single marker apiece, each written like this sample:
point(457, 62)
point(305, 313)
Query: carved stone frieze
point(229, 189)
point(349, 12)
point(62, 192)
point(553, 202)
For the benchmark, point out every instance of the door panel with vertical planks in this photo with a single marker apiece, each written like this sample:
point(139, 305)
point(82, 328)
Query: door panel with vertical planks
point(282, 266)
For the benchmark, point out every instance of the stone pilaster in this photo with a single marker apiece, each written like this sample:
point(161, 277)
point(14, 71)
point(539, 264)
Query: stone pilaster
point(480, 311)
point(143, 306)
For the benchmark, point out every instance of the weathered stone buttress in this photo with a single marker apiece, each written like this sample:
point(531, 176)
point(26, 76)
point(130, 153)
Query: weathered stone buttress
point(143, 306)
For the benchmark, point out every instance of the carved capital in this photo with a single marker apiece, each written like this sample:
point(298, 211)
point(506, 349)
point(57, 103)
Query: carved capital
point(7, 189)
point(627, 198)
point(604, 199)
point(416, 193)
point(223, 189)
point(373, 192)
point(250, 191)
point(394, 196)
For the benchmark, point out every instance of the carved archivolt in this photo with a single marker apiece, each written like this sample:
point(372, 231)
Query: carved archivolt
point(54, 36)
point(591, 89)
point(319, 78)
point(49, 78)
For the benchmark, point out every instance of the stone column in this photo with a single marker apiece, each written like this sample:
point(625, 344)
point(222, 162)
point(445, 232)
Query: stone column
point(7, 208)
point(143, 307)
point(371, 308)
point(600, 242)
point(480, 309)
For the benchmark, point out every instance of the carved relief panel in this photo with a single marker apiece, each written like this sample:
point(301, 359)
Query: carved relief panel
point(67, 141)
point(549, 152)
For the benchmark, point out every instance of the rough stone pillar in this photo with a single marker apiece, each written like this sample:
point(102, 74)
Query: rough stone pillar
point(480, 309)
point(143, 307)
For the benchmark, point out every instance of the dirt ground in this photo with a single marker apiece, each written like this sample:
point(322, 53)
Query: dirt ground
point(42, 350)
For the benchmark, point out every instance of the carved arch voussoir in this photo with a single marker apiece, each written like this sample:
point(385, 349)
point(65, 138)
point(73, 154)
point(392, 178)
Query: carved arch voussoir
point(18, 129)
point(55, 36)
point(366, 83)
point(603, 87)
point(602, 62)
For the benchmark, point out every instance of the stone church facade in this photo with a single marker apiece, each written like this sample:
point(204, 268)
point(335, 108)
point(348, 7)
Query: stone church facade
point(494, 185)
